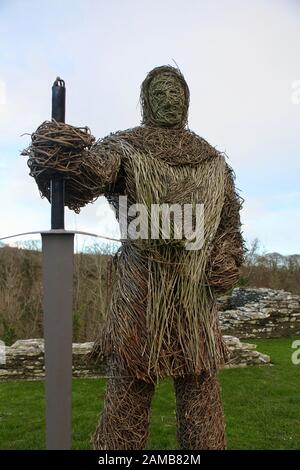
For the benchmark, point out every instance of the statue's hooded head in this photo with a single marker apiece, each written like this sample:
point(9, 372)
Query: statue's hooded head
point(165, 98)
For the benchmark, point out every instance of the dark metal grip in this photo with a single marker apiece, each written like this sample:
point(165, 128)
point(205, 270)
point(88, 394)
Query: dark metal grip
point(57, 183)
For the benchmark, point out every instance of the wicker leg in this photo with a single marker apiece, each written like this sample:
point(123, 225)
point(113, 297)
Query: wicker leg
point(124, 421)
point(200, 420)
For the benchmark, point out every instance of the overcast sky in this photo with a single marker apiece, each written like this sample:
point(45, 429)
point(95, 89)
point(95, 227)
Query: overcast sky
point(241, 60)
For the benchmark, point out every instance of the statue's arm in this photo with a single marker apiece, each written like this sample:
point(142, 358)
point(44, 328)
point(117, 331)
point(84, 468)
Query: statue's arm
point(105, 169)
point(228, 251)
point(100, 173)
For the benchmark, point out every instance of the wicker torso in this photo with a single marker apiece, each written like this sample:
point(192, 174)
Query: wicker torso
point(163, 318)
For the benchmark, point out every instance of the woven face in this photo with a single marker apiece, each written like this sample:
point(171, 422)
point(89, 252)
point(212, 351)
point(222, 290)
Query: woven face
point(167, 100)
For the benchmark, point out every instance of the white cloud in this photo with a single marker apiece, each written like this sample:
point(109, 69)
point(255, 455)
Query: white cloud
point(2, 94)
point(277, 229)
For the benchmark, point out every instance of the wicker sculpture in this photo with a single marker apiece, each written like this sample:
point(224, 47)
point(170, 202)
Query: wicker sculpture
point(163, 318)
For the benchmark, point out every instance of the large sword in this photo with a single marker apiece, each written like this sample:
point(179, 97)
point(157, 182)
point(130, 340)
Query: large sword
point(58, 253)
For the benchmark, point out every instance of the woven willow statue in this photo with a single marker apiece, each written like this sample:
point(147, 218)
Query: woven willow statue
point(163, 318)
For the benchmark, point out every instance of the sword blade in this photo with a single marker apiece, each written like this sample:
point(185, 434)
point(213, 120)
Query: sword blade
point(58, 250)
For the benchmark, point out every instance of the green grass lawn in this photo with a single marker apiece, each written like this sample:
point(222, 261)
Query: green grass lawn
point(262, 407)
